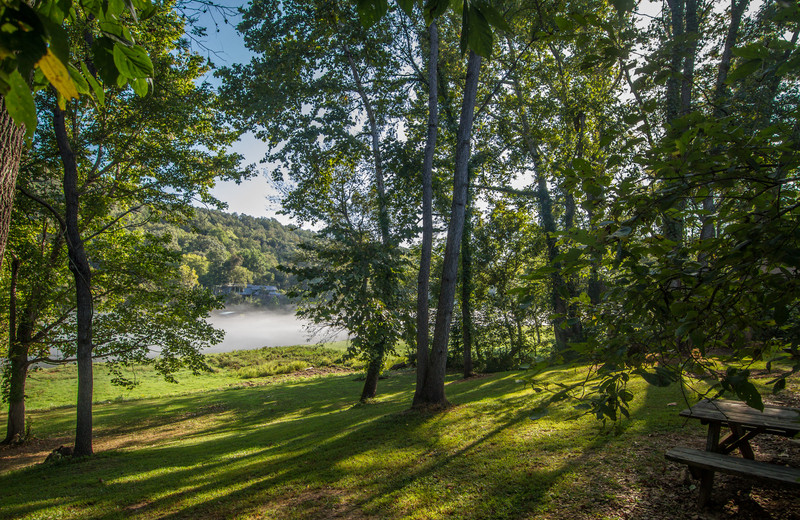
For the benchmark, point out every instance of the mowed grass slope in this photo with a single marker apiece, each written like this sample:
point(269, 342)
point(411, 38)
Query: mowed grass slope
point(300, 448)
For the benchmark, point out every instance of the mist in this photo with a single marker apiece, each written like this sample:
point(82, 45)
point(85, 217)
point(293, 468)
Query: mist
point(248, 327)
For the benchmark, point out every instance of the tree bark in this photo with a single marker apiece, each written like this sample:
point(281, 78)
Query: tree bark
point(720, 95)
point(423, 280)
point(433, 391)
point(384, 279)
point(12, 137)
point(18, 366)
point(466, 285)
point(548, 223)
point(371, 382)
point(81, 270)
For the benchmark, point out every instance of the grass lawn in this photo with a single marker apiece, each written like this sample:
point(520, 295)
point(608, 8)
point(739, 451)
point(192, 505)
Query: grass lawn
point(298, 447)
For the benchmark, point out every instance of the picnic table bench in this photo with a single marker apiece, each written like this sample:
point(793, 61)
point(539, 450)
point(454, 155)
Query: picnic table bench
point(744, 423)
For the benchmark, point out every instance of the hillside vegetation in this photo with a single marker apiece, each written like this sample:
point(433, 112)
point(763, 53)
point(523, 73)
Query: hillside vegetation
point(222, 248)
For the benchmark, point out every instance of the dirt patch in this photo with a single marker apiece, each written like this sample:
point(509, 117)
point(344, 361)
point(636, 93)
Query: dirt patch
point(34, 451)
point(321, 503)
point(659, 489)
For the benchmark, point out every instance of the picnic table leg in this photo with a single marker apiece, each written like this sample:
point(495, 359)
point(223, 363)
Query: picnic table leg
point(742, 443)
point(707, 476)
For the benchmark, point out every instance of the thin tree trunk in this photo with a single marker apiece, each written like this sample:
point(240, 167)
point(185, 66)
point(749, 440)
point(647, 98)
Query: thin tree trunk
point(423, 280)
point(673, 94)
point(466, 285)
point(385, 278)
point(548, 223)
point(18, 366)
point(687, 81)
point(371, 382)
point(81, 270)
point(433, 391)
point(720, 95)
point(12, 138)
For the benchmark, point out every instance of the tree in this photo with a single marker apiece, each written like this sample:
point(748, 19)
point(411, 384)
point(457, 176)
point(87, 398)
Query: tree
point(319, 72)
point(345, 273)
point(118, 172)
point(36, 54)
point(679, 296)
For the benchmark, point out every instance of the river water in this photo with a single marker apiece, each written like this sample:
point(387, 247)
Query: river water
point(249, 327)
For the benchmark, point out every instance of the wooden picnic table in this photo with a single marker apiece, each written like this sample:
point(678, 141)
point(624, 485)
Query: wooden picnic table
point(744, 424)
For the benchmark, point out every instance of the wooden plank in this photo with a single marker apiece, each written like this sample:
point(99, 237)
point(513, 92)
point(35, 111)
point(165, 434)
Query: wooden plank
point(774, 419)
point(735, 466)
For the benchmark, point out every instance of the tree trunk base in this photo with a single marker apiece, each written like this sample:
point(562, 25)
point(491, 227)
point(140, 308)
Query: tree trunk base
point(431, 407)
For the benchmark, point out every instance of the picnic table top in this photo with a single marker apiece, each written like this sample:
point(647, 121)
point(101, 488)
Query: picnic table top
point(774, 419)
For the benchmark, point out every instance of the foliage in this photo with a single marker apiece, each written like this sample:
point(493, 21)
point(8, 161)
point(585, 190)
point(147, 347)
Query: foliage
point(213, 244)
point(343, 284)
point(137, 158)
point(479, 18)
point(35, 43)
point(675, 298)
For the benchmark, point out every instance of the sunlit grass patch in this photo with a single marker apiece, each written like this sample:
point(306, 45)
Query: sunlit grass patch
point(301, 448)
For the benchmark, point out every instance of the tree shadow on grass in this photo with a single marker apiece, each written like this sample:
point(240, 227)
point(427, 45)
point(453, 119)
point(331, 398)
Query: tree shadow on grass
point(316, 456)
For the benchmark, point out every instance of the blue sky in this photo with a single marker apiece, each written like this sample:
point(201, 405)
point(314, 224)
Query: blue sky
point(256, 197)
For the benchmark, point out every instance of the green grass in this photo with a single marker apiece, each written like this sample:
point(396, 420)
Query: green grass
point(301, 448)
point(55, 387)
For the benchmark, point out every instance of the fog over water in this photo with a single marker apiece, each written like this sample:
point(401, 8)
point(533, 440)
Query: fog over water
point(248, 327)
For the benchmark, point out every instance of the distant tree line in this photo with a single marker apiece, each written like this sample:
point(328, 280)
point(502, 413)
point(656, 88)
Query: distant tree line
point(219, 248)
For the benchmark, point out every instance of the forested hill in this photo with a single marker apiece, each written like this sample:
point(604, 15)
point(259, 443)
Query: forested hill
point(223, 248)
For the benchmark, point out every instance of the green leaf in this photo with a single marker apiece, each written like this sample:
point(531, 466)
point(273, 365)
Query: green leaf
point(752, 51)
point(748, 393)
point(77, 79)
point(19, 103)
point(781, 312)
point(370, 11)
point(476, 32)
point(132, 62)
point(622, 232)
point(661, 377)
point(140, 86)
point(492, 15)
point(407, 6)
point(623, 6)
point(434, 9)
point(59, 41)
point(99, 93)
point(114, 8)
point(103, 54)
point(780, 384)
point(745, 69)
point(94, 7)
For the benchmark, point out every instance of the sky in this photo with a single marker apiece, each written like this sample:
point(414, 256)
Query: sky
point(256, 197)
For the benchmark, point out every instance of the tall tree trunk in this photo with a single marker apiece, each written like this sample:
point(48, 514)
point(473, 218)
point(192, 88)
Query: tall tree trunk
point(720, 95)
point(673, 94)
point(547, 220)
point(433, 390)
point(423, 280)
point(81, 270)
point(385, 278)
point(684, 24)
point(18, 366)
point(466, 284)
point(12, 137)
